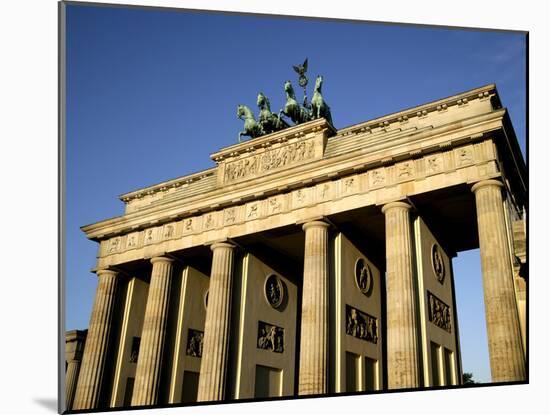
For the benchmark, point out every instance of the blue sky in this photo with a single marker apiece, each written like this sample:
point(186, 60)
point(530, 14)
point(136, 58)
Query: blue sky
point(152, 93)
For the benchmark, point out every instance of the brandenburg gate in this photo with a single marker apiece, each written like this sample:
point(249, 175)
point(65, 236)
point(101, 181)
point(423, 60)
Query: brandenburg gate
point(310, 260)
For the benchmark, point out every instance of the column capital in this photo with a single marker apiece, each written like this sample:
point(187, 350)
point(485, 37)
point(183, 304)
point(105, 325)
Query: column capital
point(106, 271)
point(392, 205)
point(485, 183)
point(224, 244)
point(162, 259)
point(315, 224)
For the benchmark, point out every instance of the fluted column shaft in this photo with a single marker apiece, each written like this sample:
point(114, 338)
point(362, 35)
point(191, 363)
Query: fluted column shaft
point(71, 377)
point(93, 361)
point(503, 328)
point(402, 311)
point(149, 365)
point(313, 376)
point(214, 360)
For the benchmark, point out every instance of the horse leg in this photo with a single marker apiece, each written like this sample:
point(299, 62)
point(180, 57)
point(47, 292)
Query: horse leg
point(241, 134)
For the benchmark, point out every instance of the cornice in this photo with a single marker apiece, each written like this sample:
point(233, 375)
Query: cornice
point(484, 92)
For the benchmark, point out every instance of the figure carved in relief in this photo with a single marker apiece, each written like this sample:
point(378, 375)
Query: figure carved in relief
point(300, 196)
point(275, 205)
point(149, 237)
point(189, 224)
point(209, 221)
point(361, 325)
point(253, 211)
point(169, 231)
point(131, 241)
point(114, 245)
point(433, 164)
point(363, 276)
point(324, 192)
point(194, 343)
point(274, 291)
point(405, 170)
point(464, 156)
point(230, 215)
point(438, 264)
point(270, 337)
point(439, 312)
point(134, 354)
point(377, 177)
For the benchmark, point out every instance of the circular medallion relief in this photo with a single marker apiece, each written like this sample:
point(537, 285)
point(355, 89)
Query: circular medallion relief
point(363, 276)
point(437, 263)
point(274, 291)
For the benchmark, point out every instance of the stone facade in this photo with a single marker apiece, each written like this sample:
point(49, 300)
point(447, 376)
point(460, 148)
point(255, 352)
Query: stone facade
point(313, 261)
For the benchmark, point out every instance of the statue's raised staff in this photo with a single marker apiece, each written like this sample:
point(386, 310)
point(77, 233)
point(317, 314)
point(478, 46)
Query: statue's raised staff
point(252, 128)
point(302, 80)
point(319, 108)
point(269, 121)
point(292, 109)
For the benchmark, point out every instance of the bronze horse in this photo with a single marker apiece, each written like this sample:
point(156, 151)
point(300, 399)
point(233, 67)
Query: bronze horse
point(269, 121)
point(292, 109)
point(251, 127)
point(319, 107)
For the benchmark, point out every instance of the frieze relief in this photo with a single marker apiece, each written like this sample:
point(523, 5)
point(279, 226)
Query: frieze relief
point(150, 236)
point(378, 177)
point(270, 337)
point(269, 160)
point(230, 215)
point(361, 325)
point(299, 198)
point(132, 241)
point(439, 313)
point(434, 164)
point(209, 220)
point(275, 204)
point(324, 191)
point(464, 156)
point(405, 170)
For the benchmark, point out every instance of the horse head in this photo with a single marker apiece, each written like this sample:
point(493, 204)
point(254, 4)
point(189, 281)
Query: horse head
point(289, 89)
point(318, 83)
point(244, 111)
point(240, 111)
point(263, 102)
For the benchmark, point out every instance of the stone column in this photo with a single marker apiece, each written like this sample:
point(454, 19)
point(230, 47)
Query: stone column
point(403, 334)
point(503, 328)
point(74, 346)
point(93, 361)
point(213, 372)
point(149, 364)
point(313, 376)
